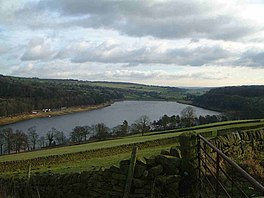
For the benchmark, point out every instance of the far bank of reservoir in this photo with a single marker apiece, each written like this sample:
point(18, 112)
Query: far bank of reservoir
point(111, 115)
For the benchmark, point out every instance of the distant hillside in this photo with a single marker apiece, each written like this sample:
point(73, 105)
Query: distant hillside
point(21, 95)
point(238, 101)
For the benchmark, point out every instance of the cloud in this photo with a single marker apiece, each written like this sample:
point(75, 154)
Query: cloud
point(252, 58)
point(198, 53)
point(149, 41)
point(151, 74)
point(3, 50)
point(38, 49)
point(112, 52)
point(167, 19)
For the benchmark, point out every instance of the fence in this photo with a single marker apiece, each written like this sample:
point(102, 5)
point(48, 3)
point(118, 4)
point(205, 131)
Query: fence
point(219, 176)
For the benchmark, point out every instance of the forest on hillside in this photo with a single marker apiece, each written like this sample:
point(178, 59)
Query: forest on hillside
point(240, 102)
point(24, 95)
point(21, 95)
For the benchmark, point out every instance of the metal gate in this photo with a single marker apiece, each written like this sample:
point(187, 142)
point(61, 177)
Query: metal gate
point(219, 176)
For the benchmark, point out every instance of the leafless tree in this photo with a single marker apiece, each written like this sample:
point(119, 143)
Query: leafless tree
point(7, 138)
point(188, 116)
point(141, 125)
point(33, 137)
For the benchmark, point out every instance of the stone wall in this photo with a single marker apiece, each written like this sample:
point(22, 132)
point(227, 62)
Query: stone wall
point(170, 174)
point(159, 176)
point(240, 144)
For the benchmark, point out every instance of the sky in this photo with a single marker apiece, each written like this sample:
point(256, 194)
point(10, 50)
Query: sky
point(190, 43)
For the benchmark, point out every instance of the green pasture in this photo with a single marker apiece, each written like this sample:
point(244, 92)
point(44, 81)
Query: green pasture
point(127, 140)
point(113, 159)
point(136, 87)
point(90, 164)
point(164, 91)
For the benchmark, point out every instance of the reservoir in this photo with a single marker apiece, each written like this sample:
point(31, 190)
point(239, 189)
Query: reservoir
point(112, 116)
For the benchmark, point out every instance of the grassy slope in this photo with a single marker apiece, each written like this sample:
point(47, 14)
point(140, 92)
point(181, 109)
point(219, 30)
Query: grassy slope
point(132, 92)
point(162, 91)
point(122, 141)
point(106, 161)
point(94, 163)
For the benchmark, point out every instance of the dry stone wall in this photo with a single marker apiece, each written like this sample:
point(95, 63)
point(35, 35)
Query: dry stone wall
point(168, 175)
point(159, 176)
point(240, 144)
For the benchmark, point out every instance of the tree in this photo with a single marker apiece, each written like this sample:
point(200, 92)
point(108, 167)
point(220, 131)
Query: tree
point(87, 131)
point(2, 142)
point(202, 120)
point(122, 129)
point(42, 142)
point(59, 137)
point(125, 128)
point(101, 131)
point(141, 125)
point(78, 134)
point(20, 141)
point(175, 122)
point(50, 137)
point(7, 138)
point(165, 121)
point(33, 137)
point(188, 116)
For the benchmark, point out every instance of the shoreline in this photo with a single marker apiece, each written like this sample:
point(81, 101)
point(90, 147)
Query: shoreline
point(28, 116)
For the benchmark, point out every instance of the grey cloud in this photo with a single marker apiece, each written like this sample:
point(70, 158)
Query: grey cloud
point(3, 50)
point(157, 74)
point(113, 53)
point(162, 19)
point(253, 58)
point(38, 49)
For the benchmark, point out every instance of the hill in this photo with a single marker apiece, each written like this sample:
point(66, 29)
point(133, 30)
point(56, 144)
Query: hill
point(23, 95)
point(240, 101)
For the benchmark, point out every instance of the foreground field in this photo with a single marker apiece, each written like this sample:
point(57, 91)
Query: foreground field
point(105, 153)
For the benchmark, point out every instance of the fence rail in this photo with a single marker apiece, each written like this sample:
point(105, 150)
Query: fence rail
point(219, 176)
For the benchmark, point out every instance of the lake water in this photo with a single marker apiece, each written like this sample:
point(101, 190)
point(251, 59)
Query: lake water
point(112, 116)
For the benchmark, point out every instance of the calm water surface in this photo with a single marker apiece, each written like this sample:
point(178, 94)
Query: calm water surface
point(112, 115)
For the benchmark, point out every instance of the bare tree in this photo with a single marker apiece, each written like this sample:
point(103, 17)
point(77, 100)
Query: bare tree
point(20, 141)
point(50, 137)
point(87, 132)
point(2, 142)
point(59, 137)
point(33, 137)
point(141, 125)
point(122, 129)
point(7, 138)
point(188, 116)
point(42, 142)
point(78, 134)
point(101, 131)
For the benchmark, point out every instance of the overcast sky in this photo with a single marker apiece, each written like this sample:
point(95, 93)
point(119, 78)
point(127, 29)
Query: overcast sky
point(160, 42)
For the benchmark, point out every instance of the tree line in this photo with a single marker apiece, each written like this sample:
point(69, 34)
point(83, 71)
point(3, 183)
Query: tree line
point(240, 102)
point(17, 141)
point(23, 95)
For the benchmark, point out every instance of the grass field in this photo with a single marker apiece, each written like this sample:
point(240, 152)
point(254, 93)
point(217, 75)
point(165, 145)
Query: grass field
point(107, 160)
point(166, 93)
point(125, 140)
point(91, 164)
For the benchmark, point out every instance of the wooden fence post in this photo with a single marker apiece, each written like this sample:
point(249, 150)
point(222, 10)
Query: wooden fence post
point(130, 172)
